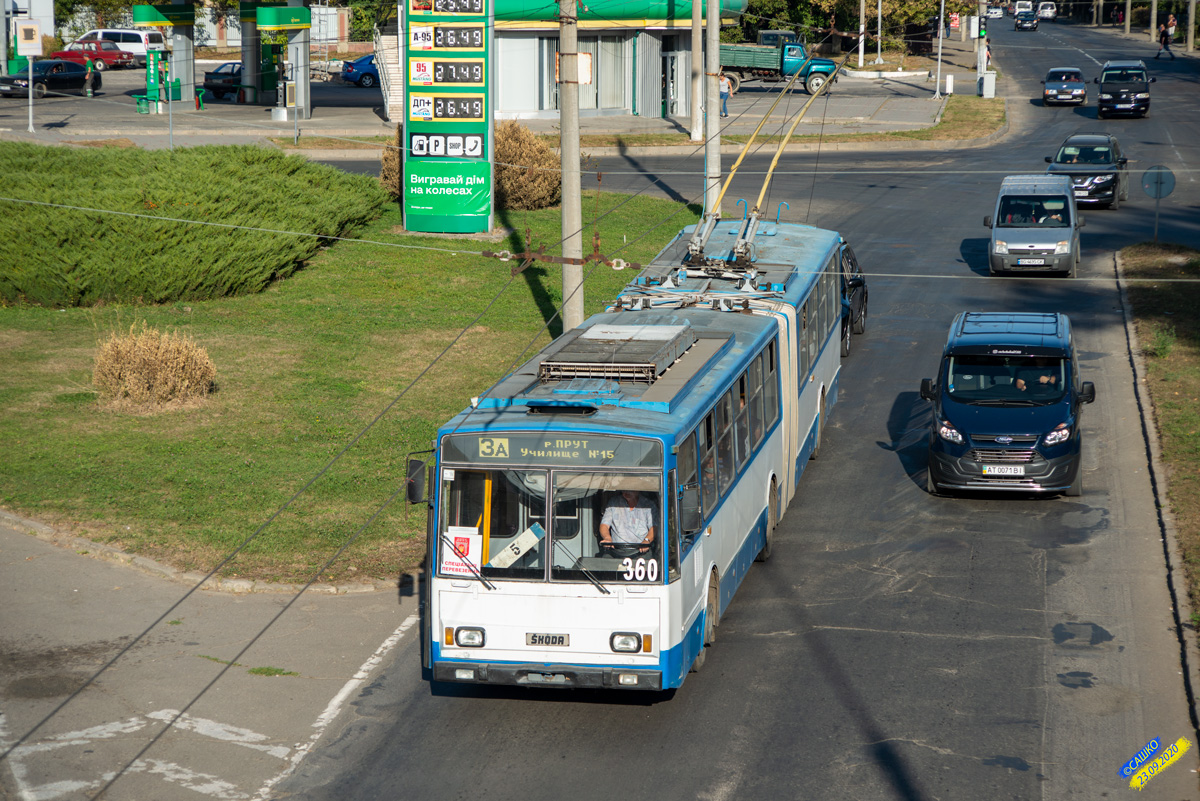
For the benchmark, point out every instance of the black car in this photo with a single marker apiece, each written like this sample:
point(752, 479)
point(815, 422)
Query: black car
point(52, 76)
point(1097, 167)
point(1006, 406)
point(854, 298)
point(1025, 21)
point(1124, 89)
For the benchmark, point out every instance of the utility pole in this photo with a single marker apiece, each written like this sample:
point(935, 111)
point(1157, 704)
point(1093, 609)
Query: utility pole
point(1154, 20)
point(712, 110)
point(572, 203)
point(879, 37)
point(697, 84)
point(1191, 23)
point(862, 30)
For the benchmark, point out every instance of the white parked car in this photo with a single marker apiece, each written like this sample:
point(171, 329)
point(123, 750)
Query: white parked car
point(130, 40)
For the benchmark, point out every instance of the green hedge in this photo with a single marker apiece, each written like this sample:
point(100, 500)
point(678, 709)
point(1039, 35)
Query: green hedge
point(56, 256)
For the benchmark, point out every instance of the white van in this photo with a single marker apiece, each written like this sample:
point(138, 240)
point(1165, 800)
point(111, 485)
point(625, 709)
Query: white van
point(1022, 5)
point(130, 40)
point(1047, 10)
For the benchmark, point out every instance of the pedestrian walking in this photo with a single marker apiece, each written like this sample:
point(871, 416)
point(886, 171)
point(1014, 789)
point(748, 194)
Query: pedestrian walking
point(88, 79)
point(1113, 15)
point(726, 87)
point(1164, 42)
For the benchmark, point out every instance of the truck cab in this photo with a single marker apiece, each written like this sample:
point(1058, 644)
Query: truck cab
point(815, 73)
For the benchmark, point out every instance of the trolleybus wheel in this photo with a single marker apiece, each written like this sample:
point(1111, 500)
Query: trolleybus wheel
point(772, 522)
point(710, 626)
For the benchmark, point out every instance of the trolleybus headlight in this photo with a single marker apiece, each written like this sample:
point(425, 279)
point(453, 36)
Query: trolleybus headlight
point(1060, 434)
point(468, 637)
point(625, 642)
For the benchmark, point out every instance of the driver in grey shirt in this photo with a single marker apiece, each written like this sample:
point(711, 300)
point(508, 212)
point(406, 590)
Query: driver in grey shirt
point(628, 518)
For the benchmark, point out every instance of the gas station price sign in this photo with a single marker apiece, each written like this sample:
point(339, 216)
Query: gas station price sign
point(441, 72)
point(446, 37)
point(433, 108)
point(448, 160)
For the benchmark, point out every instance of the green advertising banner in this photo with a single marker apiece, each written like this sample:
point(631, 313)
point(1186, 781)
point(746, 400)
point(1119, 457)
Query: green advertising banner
point(447, 196)
point(448, 119)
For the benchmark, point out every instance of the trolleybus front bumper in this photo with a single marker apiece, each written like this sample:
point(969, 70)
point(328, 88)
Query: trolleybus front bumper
point(541, 675)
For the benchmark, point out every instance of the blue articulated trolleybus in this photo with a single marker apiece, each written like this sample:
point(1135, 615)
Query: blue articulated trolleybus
point(695, 400)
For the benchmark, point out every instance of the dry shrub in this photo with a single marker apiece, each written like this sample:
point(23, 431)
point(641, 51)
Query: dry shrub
point(146, 366)
point(528, 173)
point(391, 168)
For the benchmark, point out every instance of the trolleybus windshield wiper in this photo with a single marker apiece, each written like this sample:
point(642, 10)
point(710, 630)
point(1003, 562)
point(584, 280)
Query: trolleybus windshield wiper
point(467, 562)
point(587, 573)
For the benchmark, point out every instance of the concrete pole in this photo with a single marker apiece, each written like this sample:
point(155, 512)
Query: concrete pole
point(572, 202)
point(712, 109)
point(1191, 23)
point(1128, 15)
point(879, 29)
point(7, 37)
point(937, 89)
point(862, 30)
point(697, 84)
point(1154, 20)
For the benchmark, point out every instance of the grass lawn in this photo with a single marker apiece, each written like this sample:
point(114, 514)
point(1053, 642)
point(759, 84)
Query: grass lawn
point(302, 369)
point(1167, 316)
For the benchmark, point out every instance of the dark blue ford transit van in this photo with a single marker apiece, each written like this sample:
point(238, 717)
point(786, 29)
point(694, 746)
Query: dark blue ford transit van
point(1006, 406)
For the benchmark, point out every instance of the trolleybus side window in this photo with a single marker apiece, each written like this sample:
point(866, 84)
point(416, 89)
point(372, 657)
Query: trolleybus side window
point(742, 422)
point(802, 339)
point(725, 441)
point(754, 381)
point(672, 540)
point(708, 463)
point(770, 386)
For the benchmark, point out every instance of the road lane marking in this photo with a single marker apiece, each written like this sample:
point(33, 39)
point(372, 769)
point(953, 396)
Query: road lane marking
point(221, 731)
point(334, 707)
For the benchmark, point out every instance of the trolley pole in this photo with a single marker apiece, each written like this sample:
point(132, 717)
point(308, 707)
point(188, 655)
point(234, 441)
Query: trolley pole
point(572, 203)
point(712, 110)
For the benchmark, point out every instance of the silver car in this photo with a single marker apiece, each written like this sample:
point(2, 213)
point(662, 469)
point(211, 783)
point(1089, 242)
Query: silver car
point(1035, 227)
point(1064, 85)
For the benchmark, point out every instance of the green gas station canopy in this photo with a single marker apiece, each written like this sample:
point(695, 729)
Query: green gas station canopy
point(278, 18)
point(158, 16)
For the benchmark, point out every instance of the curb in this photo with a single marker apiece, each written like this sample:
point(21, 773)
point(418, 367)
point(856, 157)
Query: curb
point(209, 583)
point(1176, 580)
point(849, 73)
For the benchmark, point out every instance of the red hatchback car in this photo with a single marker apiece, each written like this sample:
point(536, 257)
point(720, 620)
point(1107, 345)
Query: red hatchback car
point(104, 54)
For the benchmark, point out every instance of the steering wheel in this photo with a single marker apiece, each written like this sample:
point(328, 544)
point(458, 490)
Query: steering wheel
point(620, 550)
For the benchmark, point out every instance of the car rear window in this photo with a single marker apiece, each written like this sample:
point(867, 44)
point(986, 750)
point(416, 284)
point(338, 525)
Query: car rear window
point(155, 38)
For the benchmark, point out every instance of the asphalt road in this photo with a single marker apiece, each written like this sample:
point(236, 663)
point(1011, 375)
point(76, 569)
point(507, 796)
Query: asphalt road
point(897, 645)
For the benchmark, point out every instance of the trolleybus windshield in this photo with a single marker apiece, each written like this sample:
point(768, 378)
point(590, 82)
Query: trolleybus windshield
point(603, 526)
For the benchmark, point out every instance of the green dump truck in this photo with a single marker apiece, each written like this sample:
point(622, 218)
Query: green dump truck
point(777, 56)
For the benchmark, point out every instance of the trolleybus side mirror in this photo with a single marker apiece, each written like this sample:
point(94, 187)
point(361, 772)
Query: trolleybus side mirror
point(927, 388)
point(689, 509)
point(416, 481)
